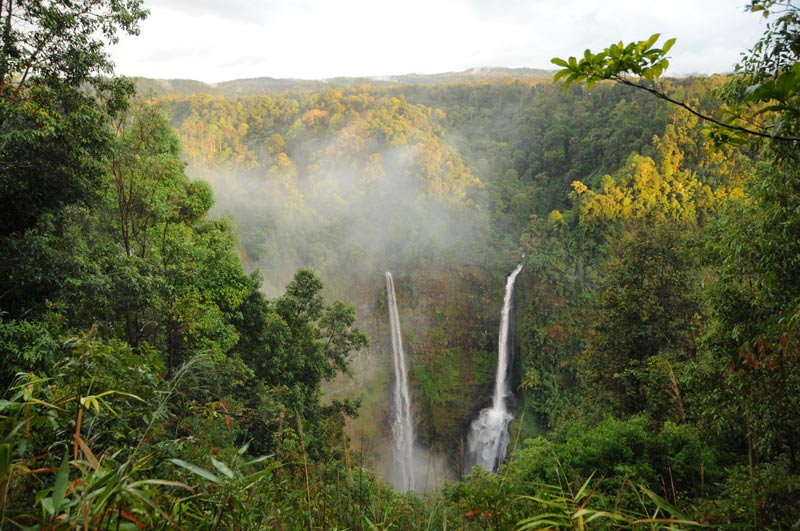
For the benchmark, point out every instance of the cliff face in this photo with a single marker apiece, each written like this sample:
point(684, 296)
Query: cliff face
point(449, 318)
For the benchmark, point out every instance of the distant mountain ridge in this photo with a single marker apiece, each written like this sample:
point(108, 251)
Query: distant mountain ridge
point(239, 87)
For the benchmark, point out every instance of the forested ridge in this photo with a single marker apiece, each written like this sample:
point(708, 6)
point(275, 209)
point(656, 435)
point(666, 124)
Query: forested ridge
point(193, 324)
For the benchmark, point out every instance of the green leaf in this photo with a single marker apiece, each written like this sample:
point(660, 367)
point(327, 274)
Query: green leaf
point(223, 468)
point(202, 472)
point(259, 459)
point(582, 491)
point(47, 503)
point(243, 448)
point(11, 435)
point(113, 392)
point(164, 482)
point(664, 505)
point(540, 523)
point(111, 482)
point(561, 73)
point(649, 42)
point(606, 514)
point(62, 481)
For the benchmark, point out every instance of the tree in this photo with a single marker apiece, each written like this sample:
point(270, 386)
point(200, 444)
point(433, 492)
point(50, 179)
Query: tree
point(185, 271)
point(56, 98)
point(292, 344)
point(766, 90)
point(645, 308)
point(60, 43)
point(51, 132)
point(755, 246)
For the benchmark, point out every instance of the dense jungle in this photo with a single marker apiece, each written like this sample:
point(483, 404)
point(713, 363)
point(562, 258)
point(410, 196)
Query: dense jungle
point(194, 316)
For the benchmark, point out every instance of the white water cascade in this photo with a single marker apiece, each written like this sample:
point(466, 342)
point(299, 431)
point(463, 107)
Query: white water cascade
point(487, 441)
point(402, 475)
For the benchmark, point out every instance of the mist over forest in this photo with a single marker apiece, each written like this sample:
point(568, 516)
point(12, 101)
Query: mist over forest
point(334, 188)
point(593, 291)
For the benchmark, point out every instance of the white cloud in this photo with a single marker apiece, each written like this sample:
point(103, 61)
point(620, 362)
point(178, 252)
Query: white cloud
point(215, 40)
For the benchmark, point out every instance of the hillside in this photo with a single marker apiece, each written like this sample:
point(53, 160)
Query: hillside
point(262, 85)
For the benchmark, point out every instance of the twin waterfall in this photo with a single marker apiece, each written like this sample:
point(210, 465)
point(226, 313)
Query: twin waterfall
point(487, 441)
point(402, 426)
point(488, 437)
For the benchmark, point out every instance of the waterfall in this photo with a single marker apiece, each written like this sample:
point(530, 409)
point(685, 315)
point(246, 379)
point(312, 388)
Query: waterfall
point(402, 476)
point(487, 441)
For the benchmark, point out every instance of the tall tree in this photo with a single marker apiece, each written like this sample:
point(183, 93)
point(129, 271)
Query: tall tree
point(56, 96)
point(645, 308)
point(293, 344)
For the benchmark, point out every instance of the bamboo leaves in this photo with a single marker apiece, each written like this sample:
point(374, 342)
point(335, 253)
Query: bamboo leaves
point(196, 470)
point(225, 501)
point(561, 508)
point(564, 509)
point(95, 401)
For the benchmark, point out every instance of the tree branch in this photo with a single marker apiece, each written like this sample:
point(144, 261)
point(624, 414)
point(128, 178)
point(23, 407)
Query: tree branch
point(705, 117)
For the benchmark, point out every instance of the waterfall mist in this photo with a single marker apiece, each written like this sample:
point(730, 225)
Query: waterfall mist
point(487, 441)
point(339, 223)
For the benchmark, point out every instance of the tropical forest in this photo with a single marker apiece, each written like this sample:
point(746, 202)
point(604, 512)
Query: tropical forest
point(500, 299)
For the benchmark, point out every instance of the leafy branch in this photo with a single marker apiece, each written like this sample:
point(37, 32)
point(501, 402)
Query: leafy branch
point(641, 64)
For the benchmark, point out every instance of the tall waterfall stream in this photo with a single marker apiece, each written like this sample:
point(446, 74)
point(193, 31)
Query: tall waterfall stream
point(402, 476)
point(487, 441)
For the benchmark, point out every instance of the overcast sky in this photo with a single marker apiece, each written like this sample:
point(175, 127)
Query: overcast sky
point(219, 40)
